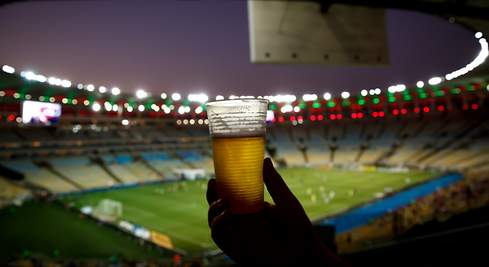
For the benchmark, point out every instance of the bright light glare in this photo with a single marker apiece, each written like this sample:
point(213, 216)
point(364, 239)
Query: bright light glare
point(327, 96)
point(90, 87)
point(176, 97)
point(141, 108)
point(420, 84)
point(79, 86)
point(219, 97)
point(140, 93)
point(201, 98)
point(96, 107)
point(198, 110)
point(309, 97)
point(396, 88)
point(102, 89)
point(115, 90)
point(345, 95)
point(281, 98)
point(163, 95)
point(125, 122)
point(286, 108)
point(8, 69)
point(364, 92)
point(65, 83)
point(435, 80)
point(478, 35)
point(108, 106)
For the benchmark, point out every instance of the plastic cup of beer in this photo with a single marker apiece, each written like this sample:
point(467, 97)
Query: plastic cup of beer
point(237, 129)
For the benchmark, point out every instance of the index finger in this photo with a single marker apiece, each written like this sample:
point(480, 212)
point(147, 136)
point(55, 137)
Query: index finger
point(278, 189)
point(211, 194)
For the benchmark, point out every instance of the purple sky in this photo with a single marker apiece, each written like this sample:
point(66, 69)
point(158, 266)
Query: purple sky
point(202, 46)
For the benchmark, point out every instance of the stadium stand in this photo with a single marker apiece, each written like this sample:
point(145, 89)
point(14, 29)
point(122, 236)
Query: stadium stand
point(40, 176)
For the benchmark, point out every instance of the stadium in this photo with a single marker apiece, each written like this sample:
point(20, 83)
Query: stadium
point(93, 175)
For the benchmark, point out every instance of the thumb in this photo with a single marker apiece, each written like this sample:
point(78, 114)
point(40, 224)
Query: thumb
point(278, 189)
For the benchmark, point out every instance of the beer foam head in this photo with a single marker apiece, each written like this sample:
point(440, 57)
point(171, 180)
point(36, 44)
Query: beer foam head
point(232, 118)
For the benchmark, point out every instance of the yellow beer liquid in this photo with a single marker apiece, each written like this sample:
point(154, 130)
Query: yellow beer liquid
point(238, 164)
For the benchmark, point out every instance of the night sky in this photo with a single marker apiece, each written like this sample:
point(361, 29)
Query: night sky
point(203, 46)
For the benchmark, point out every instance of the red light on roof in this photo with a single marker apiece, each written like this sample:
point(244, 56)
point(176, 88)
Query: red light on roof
point(332, 117)
point(395, 112)
point(474, 106)
point(440, 108)
point(353, 115)
point(416, 110)
point(426, 109)
point(320, 117)
point(300, 118)
point(292, 118)
point(281, 119)
point(339, 116)
point(381, 114)
point(404, 111)
point(374, 114)
point(360, 115)
point(11, 117)
point(312, 117)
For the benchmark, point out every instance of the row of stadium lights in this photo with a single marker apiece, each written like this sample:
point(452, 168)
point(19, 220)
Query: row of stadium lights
point(300, 119)
point(203, 98)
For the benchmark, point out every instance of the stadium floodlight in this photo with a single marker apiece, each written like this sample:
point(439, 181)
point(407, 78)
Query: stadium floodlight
point(125, 122)
point(198, 110)
point(176, 96)
point(165, 108)
point(396, 88)
point(219, 97)
point(420, 84)
point(309, 97)
point(155, 107)
point(345, 95)
point(107, 106)
point(96, 107)
point(282, 98)
point(163, 96)
point(90, 87)
point(40, 78)
point(141, 108)
point(478, 35)
point(141, 93)
point(435, 80)
point(79, 86)
point(201, 98)
point(115, 91)
point(65, 83)
point(181, 110)
point(377, 91)
point(286, 108)
point(327, 96)
point(364, 92)
point(8, 69)
point(102, 89)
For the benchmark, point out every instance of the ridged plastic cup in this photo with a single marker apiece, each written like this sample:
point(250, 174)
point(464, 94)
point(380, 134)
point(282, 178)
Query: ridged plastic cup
point(237, 129)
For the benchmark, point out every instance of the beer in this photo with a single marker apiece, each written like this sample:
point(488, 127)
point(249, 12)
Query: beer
point(237, 128)
point(238, 164)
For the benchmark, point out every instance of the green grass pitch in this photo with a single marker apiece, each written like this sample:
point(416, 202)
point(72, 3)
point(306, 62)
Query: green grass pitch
point(179, 209)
